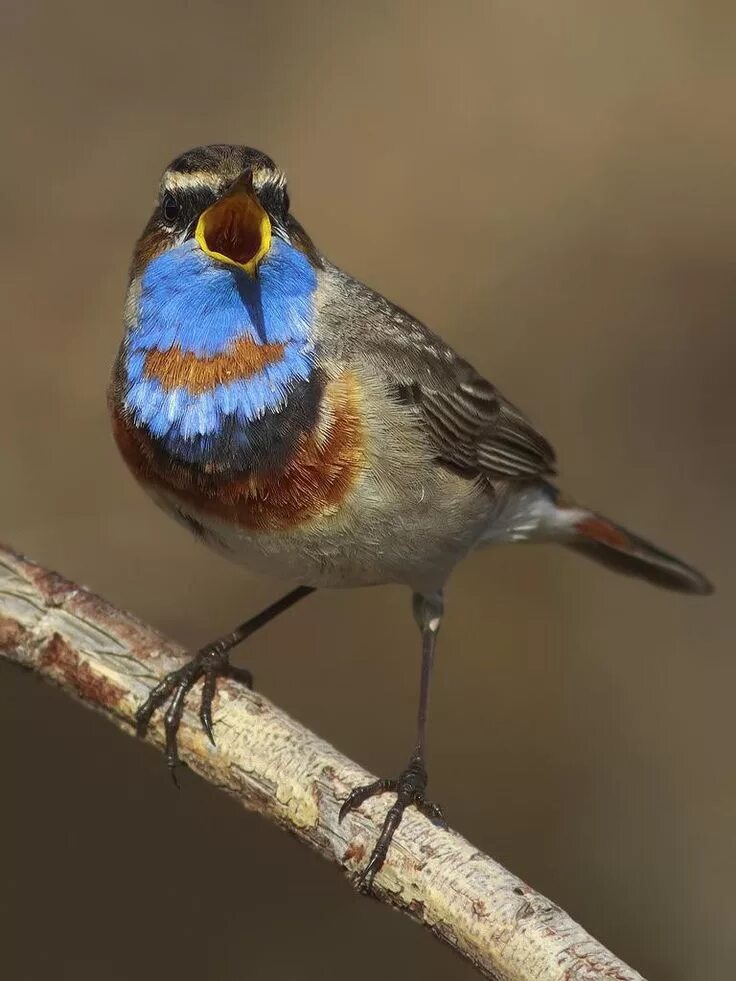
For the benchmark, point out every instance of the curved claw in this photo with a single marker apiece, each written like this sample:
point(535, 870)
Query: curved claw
point(209, 663)
point(205, 718)
point(172, 773)
point(205, 708)
point(409, 789)
point(360, 794)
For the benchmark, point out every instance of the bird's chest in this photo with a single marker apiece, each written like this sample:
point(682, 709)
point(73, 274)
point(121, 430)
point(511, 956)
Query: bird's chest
point(283, 469)
point(218, 401)
point(370, 507)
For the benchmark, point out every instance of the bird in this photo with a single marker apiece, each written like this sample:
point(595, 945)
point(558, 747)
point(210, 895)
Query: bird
point(301, 424)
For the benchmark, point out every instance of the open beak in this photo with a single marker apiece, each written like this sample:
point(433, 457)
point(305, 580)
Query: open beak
point(236, 229)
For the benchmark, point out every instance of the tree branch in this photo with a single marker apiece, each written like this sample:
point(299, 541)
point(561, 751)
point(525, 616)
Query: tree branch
point(271, 764)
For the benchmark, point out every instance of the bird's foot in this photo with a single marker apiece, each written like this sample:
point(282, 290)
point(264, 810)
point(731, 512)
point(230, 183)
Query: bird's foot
point(209, 663)
point(409, 789)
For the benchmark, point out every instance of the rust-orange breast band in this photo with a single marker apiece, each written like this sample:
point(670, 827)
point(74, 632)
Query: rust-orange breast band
point(325, 466)
point(175, 368)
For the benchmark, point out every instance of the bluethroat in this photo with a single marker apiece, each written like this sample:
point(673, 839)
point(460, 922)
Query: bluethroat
point(298, 422)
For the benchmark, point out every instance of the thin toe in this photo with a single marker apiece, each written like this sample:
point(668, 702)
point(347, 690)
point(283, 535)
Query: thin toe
point(208, 663)
point(359, 795)
point(434, 813)
point(409, 790)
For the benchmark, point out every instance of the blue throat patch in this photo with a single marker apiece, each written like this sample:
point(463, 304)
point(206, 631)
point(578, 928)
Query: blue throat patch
point(191, 301)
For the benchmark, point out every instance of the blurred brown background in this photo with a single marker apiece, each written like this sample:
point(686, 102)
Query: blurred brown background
point(551, 185)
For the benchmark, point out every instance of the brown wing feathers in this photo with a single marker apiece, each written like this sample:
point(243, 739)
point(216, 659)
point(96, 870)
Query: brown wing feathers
point(469, 422)
point(474, 428)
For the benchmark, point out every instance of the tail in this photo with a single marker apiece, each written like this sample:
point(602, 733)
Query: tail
point(598, 538)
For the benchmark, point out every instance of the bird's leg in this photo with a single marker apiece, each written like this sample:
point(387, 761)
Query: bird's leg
point(210, 663)
point(411, 785)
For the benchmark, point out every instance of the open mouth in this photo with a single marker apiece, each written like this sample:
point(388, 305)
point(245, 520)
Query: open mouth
point(235, 229)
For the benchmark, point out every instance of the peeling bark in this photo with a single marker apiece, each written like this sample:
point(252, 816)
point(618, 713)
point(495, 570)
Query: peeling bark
point(270, 763)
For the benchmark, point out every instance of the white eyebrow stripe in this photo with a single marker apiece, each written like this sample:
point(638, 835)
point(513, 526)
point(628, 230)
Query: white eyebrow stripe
point(174, 181)
point(263, 176)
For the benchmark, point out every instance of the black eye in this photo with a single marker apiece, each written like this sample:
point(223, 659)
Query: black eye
point(170, 208)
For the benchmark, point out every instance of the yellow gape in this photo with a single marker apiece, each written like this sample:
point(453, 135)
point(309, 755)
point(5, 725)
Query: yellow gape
point(235, 230)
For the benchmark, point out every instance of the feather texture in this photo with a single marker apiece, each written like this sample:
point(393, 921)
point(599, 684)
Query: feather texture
point(213, 350)
point(310, 427)
point(471, 426)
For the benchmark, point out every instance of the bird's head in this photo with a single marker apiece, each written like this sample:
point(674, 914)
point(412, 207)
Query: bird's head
point(232, 200)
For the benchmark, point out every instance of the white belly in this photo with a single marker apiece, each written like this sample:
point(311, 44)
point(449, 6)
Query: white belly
point(411, 532)
point(407, 519)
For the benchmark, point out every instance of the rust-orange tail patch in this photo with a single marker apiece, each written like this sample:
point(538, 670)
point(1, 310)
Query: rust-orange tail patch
point(599, 530)
point(622, 550)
